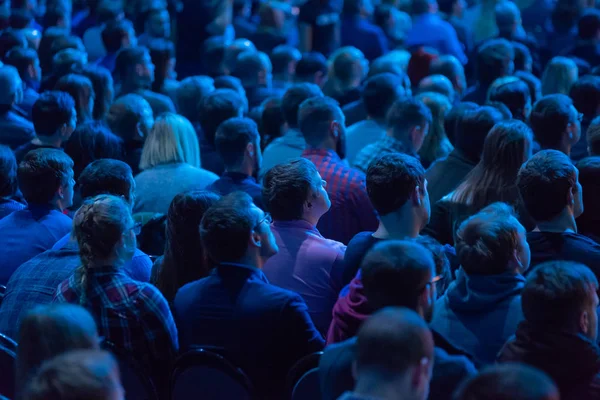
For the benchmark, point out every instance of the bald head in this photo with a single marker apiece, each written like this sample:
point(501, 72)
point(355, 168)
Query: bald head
point(253, 68)
point(11, 90)
point(437, 84)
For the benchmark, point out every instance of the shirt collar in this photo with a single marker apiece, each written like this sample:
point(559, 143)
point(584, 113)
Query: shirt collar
point(298, 224)
point(313, 151)
point(254, 270)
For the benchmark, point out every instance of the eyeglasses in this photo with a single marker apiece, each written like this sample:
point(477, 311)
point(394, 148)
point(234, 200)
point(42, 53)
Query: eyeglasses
point(267, 218)
point(136, 228)
point(434, 280)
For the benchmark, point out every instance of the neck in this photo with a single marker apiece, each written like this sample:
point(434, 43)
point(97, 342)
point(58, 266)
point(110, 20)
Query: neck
point(374, 387)
point(242, 169)
point(563, 147)
point(251, 260)
point(313, 220)
point(565, 222)
point(403, 139)
point(397, 227)
point(103, 262)
point(326, 145)
point(54, 141)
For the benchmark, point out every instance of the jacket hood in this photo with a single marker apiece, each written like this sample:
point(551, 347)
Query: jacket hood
point(348, 313)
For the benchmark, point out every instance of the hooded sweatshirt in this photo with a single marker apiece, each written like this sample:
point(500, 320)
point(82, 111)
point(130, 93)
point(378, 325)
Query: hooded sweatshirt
point(479, 313)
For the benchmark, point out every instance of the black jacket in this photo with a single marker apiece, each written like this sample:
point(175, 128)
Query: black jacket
point(443, 176)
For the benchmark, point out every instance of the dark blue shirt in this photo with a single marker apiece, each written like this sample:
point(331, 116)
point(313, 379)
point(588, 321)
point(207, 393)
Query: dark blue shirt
point(323, 16)
point(108, 61)
point(365, 36)
point(432, 31)
point(8, 206)
point(236, 181)
point(27, 233)
point(260, 327)
point(15, 130)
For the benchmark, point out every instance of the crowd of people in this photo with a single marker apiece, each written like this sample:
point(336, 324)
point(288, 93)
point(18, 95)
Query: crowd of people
point(396, 185)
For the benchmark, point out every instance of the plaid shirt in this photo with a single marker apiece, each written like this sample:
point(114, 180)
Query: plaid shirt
point(385, 145)
point(351, 210)
point(133, 315)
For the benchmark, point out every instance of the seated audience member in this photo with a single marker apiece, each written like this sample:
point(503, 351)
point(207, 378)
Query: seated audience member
point(510, 27)
point(48, 331)
point(105, 233)
point(190, 93)
point(233, 83)
point(14, 129)
point(162, 54)
point(9, 201)
point(453, 118)
point(292, 143)
point(77, 375)
point(534, 84)
point(213, 55)
point(170, 165)
point(348, 68)
point(588, 223)
point(430, 30)
point(560, 330)
point(184, 260)
point(45, 178)
point(130, 117)
point(63, 63)
point(451, 68)
point(102, 83)
point(109, 12)
point(116, 35)
point(394, 357)
point(270, 30)
point(551, 192)
point(585, 46)
point(322, 124)
point(407, 124)
point(435, 144)
point(394, 23)
point(284, 59)
point(261, 328)
point(395, 273)
point(482, 307)
point(379, 94)
point(593, 137)
point(157, 25)
point(508, 381)
point(556, 123)
point(506, 147)
point(312, 68)
point(215, 108)
point(446, 174)
point(81, 90)
point(233, 50)
point(358, 31)
point(306, 263)
point(585, 94)
point(437, 84)
point(134, 73)
point(514, 94)
point(238, 144)
point(559, 76)
point(523, 59)
point(27, 63)
point(36, 280)
point(271, 122)
point(255, 72)
point(54, 119)
point(494, 60)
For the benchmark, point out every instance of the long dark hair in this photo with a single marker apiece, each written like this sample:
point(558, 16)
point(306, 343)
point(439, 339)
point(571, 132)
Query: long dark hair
point(8, 172)
point(505, 149)
point(161, 52)
point(184, 260)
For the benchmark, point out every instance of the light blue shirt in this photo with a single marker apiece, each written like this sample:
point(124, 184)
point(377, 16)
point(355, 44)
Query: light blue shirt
point(290, 145)
point(432, 31)
point(360, 135)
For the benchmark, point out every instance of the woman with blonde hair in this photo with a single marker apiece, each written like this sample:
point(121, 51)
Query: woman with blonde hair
point(436, 144)
point(560, 74)
point(170, 164)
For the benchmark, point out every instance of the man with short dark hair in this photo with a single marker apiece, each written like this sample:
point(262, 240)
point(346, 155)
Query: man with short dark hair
point(116, 35)
point(482, 308)
point(284, 59)
point(261, 328)
point(215, 108)
point(446, 174)
point(312, 68)
point(552, 195)
point(587, 42)
point(238, 144)
point(189, 94)
point(585, 94)
point(357, 30)
point(54, 120)
point(407, 125)
point(437, 84)
point(27, 63)
point(307, 263)
point(322, 124)
point(14, 129)
point(556, 123)
point(560, 330)
point(45, 178)
point(35, 281)
point(157, 25)
point(348, 69)
point(394, 357)
point(256, 73)
point(380, 92)
point(292, 143)
point(134, 73)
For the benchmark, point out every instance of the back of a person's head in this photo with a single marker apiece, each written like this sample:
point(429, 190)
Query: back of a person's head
point(315, 116)
point(107, 176)
point(190, 92)
point(22, 59)
point(523, 59)
point(508, 16)
point(233, 50)
point(390, 64)
point(514, 93)
point(232, 139)
point(250, 65)
point(68, 60)
point(559, 75)
point(127, 114)
point(171, 140)
point(448, 66)
point(437, 84)
point(81, 90)
point(396, 345)
point(585, 94)
point(281, 58)
point(379, 93)
point(453, 119)
point(103, 85)
point(557, 293)
point(533, 82)
point(213, 54)
point(52, 111)
point(49, 330)
point(402, 172)
point(508, 382)
point(293, 97)
point(588, 26)
point(10, 86)
point(545, 182)
point(8, 172)
point(589, 177)
point(494, 60)
point(405, 114)
point(226, 227)
point(114, 33)
point(126, 61)
point(474, 127)
point(419, 7)
point(395, 273)
point(549, 119)
point(309, 65)
point(347, 64)
point(487, 242)
point(42, 172)
point(77, 375)
point(217, 107)
point(9, 39)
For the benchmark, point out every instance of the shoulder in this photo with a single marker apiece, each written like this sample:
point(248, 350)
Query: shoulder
point(151, 297)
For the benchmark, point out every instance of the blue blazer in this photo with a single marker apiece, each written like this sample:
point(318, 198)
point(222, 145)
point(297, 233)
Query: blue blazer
point(260, 327)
